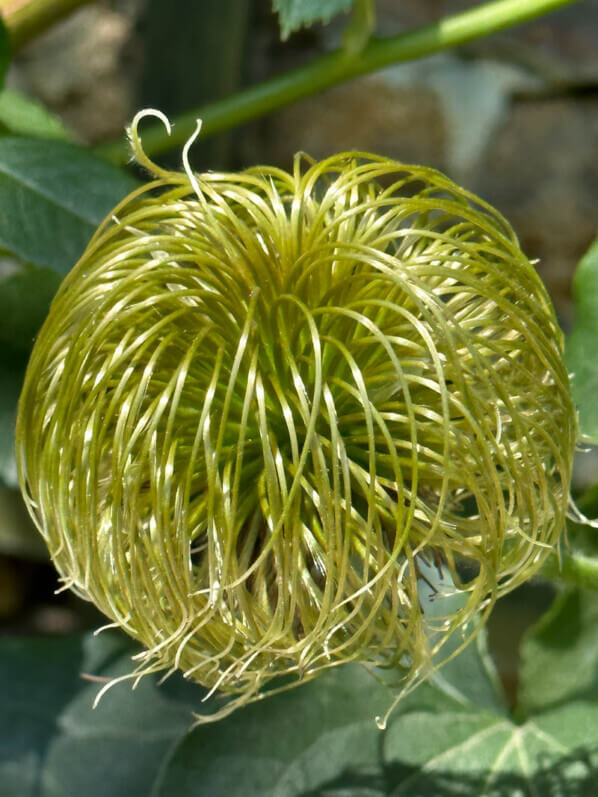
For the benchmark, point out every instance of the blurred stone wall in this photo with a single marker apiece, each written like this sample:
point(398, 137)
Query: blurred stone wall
point(86, 68)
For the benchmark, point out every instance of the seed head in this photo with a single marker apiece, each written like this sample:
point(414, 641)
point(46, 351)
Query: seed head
point(264, 404)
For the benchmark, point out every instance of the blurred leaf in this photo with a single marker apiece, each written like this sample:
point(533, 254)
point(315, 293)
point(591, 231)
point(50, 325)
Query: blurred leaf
point(471, 677)
point(581, 537)
point(582, 344)
point(53, 744)
point(4, 51)
point(52, 197)
point(23, 116)
point(290, 744)
point(479, 754)
point(559, 655)
point(293, 14)
point(136, 742)
point(318, 739)
point(11, 379)
point(25, 298)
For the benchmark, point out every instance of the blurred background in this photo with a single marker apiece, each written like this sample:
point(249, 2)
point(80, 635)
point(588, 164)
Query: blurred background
point(513, 117)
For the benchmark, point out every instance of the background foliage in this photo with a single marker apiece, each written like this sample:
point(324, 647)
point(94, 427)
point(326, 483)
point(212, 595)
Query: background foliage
point(459, 734)
point(453, 736)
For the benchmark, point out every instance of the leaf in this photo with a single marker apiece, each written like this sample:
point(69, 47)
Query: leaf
point(52, 197)
point(136, 742)
point(482, 755)
point(471, 677)
point(52, 744)
point(25, 298)
point(559, 654)
point(321, 737)
point(293, 14)
point(582, 344)
point(317, 739)
point(22, 115)
point(286, 745)
point(4, 51)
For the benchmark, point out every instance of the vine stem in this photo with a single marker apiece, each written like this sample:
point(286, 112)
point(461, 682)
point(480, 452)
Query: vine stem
point(25, 19)
point(334, 68)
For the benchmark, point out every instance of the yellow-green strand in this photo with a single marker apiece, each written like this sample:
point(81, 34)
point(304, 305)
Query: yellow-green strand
point(263, 404)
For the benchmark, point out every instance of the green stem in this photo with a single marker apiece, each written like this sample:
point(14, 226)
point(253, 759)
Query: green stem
point(334, 68)
point(25, 20)
point(575, 569)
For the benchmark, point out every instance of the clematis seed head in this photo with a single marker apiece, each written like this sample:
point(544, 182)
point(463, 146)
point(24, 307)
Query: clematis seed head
point(265, 405)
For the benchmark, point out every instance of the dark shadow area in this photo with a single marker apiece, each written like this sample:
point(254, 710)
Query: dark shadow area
point(40, 678)
point(30, 605)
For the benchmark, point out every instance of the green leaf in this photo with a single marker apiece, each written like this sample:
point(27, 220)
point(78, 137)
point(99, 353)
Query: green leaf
point(137, 742)
point(52, 197)
point(318, 739)
point(25, 298)
point(583, 342)
point(482, 755)
point(4, 51)
point(559, 654)
point(23, 116)
point(470, 679)
point(293, 14)
point(287, 745)
point(11, 379)
point(53, 744)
